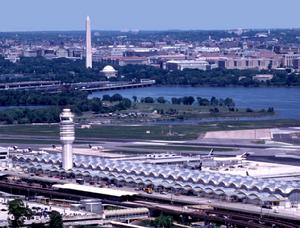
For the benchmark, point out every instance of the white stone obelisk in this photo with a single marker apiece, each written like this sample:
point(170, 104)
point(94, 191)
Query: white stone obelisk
point(89, 60)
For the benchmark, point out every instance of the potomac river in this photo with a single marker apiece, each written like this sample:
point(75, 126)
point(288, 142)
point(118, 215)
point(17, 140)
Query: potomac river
point(286, 101)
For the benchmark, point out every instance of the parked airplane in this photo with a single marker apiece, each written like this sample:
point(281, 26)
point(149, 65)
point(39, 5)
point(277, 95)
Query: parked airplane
point(28, 150)
point(96, 148)
point(241, 157)
point(39, 152)
point(209, 155)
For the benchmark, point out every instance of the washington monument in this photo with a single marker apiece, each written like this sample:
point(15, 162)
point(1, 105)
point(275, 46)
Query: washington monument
point(88, 62)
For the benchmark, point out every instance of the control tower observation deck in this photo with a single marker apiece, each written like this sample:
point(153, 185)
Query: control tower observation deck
point(67, 137)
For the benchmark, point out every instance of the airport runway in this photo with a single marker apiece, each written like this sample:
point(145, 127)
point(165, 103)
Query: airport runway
point(278, 153)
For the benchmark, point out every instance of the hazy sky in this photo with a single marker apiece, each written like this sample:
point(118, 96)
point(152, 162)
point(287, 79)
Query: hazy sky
point(29, 15)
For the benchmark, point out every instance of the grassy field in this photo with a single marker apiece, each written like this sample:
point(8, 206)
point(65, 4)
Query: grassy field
point(37, 141)
point(29, 141)
point(153, 132)
point(34, 130)
point(149, 107)
point(194, 111)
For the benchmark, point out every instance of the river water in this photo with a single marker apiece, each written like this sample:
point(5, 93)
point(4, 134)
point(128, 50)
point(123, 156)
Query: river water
point(286, 101)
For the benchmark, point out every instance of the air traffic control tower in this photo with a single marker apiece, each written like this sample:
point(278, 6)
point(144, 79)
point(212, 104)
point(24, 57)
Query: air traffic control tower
point(67, 137)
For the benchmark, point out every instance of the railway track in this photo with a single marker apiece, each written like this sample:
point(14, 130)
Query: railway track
point(222, 216)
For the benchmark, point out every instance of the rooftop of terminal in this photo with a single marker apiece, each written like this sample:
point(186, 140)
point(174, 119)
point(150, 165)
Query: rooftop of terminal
point(171, 176)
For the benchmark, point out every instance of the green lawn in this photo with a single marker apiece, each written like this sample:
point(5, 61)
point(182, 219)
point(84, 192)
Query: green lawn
point(35, 130)
point(174, 132)
point(155, 132)
point(194, 111)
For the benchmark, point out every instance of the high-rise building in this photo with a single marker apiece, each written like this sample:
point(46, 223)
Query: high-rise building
point(89, 60)
point(67, 137)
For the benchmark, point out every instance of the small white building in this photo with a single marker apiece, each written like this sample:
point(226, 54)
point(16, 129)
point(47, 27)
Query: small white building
point(109, 71)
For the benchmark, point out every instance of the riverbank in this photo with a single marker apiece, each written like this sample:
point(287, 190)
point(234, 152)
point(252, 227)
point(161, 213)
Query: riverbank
point(285, 101)
point(164, 113)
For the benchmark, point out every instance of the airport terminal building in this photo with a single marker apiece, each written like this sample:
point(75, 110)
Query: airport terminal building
point(173, 178)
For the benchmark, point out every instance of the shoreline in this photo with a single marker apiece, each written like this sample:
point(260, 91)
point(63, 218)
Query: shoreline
point(229, 86)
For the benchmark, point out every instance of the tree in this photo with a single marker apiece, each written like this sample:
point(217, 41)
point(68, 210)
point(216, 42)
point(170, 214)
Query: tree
point(106, 97)
point(214, 101)
point(56, 220)
point(148, 100)
point(229, 102)
point(124, 104)
point(161, 100)
point(134, 98)
point(175, 100)
point(202, 101)
point(17, 209)
point(163, 221)
point(116, 97)
point(95, 105)
point(188, 100)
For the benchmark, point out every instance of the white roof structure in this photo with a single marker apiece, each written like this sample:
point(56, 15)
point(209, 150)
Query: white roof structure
point(160, 175)
point(125, 211)
point(108, 69)
point(91, 189)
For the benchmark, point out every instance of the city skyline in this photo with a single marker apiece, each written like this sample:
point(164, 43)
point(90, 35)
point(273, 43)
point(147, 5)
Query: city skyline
point(162, 113)
point(166, 15)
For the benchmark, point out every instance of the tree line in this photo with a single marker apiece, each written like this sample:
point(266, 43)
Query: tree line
point(214, 103)
point(48, 106)
point(45, 108)
point(190, 100)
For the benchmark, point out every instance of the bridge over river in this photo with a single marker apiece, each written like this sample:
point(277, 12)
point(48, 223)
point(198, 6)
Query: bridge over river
point(57, 86)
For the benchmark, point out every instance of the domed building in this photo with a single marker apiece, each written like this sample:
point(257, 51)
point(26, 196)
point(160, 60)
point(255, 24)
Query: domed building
point(109, 71)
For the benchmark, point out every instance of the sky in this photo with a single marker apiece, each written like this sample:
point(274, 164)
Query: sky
point(44, 15)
